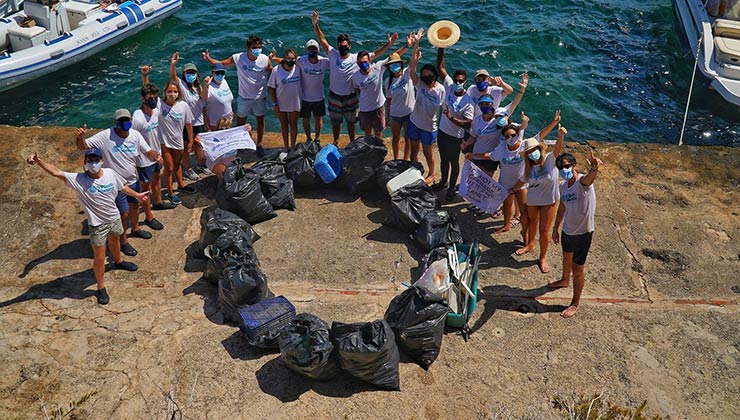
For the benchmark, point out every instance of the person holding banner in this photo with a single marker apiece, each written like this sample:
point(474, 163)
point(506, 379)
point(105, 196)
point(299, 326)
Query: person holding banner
point(543, 193)
point(221, 151)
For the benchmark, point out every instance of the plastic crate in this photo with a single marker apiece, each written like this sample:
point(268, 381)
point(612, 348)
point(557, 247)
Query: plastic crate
point(328, 163)
point(264, 316)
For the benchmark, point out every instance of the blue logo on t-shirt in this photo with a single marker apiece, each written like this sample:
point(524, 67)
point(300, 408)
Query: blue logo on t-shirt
point(314, 72)
point(343, 66)
point(100, 188)
point(487, 130)
point(124, 148)
point(512, 160)
point(429, 97)
point(399, 85)
point(152, 126)
point(370, 80)
point(287, 80)
point(223, 92)
point(569, 197)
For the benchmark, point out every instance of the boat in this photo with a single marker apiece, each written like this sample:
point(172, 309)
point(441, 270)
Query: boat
point(712, 29)
point(47, 35)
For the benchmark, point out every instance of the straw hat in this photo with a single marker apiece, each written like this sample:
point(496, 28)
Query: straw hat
point(443, 34)
point(394, 58)
point(532, 143)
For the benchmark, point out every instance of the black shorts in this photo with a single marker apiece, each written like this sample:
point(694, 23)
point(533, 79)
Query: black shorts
point(579, 245)
point(318, 109)
point(487, 165)
point(197, 129)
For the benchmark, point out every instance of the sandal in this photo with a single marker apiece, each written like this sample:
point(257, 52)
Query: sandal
point(515, 221)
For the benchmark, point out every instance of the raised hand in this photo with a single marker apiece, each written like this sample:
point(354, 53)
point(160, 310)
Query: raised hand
point(418, 34)
point(315, 17)
point(556, 118)
point(205, 55)
point(146, 70)
point(175, 57)
point(80, 132)
point(498, 81)
point(417, 54)
point(392, 38)
point(525, 118)
point(525, 81)
point(594, 162)
point(562, 132)
point(31, 160)
point(446, 111)
point(207, 80)
point(410, 39)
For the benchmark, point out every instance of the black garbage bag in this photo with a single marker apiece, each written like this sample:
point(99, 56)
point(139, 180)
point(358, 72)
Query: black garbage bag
point(418, 319)
point(278, 190)
point(234, 242)
point(410, 204)
point(439, 253)
point(241, 283)
point(215, 221)
point(392, 168)
point(268, 341)
point(268, 167)
point(367, 350)
point(362, 158)
point(299, 164)
point(306, 348)
point(239, 192)
point(437, 228)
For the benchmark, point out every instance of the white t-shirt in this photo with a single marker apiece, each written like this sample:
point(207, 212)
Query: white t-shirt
point(428, 103)
point(97, 195)
point(148, 127)
point(487, 134)
point(287, 85)
point(543, 183)
point(580, 207)
point(194, 101)
point(252, 75)
point(172, 122)
point(512, 165)
point(401, 95)
point(340, 71)
point(219, 101)
point(312, 78)
point(120, 154)
point(461, 107)
point(496, 93)
point(370, 86)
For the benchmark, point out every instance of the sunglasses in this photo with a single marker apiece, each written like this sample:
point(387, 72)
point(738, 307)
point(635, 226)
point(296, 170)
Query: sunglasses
point(509, 137)
point(460, 82)
point(222, 73)
point(566, 166)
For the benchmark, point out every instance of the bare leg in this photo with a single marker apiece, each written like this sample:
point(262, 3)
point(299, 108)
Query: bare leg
point(508, 210)
point(415, 146)
point(99, 263)
point(133, 216)
point(283, 117)
point(147, 204)
point(185, 160)
point(122, 238)
point(579, 280)
point(306, 121)
point(319, 123)
point(156, 190)
point(200, 155)
point(533, 212)
point(521, 199)
point(406, 144)
point(395, 138)
point(351, 131)
point(176, 168)
point(115, 249)
point(547, 216)
point(567, 268)
point(169, 165)
point(260, 128)
point(335, 129)
point(429, 156)
point(241, 120)
point(293, 119)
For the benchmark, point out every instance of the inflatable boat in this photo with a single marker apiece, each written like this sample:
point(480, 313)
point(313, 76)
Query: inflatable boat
point(47, 35)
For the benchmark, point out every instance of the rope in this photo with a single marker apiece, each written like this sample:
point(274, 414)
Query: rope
point(691, 88)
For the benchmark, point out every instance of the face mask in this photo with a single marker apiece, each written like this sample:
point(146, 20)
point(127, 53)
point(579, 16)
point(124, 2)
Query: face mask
point(485, 109)
point(93, 167)
point(566, 173)
point(218, 78)
point(501, 122)
point(394, 68)
point(364, 65)
point(482, 86)
point(190, 77)
point(343, 49)
point(428, 79)
point(124, 125)
point(256, 51)
point(312, 54)
point(151, 102)
point(172, 96)
point(535, 156)
point(459, 87)
point(289, 63)
point(513, 140)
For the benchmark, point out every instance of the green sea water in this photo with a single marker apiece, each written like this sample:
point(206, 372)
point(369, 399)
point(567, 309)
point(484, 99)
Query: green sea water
point(616, 69)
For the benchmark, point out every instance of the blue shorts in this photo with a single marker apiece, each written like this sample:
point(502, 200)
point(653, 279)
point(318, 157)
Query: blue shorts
point(415, 133)
point(401, 120)
point(122, 199)
point(146, 173)
point(244, 107)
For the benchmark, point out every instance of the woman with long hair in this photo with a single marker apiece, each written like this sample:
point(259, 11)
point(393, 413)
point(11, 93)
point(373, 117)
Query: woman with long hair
point(175, 119)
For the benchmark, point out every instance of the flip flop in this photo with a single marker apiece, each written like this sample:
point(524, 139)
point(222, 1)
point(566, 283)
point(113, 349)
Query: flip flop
point(514, 221)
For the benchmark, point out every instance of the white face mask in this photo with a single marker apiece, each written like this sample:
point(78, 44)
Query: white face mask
point(93, 167)
point(172, 96)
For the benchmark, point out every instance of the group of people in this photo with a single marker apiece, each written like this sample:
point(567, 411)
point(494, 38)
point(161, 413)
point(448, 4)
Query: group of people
point(427, 104)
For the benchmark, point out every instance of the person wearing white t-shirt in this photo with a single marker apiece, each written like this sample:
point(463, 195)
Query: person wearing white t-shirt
point(342, 97)
point(313, 67)
point(422, 125)
point(217, 97)
point(174, 119)
point(252, 70)
point(121, 147)
point(400, 99)
point(97, 189)
point(285, 91)
point(368, 83)
point(495, 87)
point(543, 194)
point(576, 215)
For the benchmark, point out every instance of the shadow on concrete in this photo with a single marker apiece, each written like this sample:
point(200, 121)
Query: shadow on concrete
point(73, 286)
point(514, 299)
point(75, 250)
point(237, 345)
point(209, 293)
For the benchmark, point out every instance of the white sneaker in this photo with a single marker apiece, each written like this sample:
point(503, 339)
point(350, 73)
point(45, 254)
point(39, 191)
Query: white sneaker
point(191, 175)
point(204, 170)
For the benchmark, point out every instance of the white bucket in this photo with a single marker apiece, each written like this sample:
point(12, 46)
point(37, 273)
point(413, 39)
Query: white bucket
point(409, 176)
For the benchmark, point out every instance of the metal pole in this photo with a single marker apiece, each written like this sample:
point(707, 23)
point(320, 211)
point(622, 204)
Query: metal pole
point(691, 88)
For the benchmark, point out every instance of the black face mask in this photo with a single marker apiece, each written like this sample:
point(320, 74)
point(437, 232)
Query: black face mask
point(289, 63)
point(428, 79)
point(343, 49)
point(151, 102)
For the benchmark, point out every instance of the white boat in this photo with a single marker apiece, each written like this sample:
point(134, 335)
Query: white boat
point(712, 28)
point(48, 35)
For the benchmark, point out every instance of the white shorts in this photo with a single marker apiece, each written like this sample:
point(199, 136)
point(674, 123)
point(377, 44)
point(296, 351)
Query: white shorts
point(173, 143)
point(244, 107)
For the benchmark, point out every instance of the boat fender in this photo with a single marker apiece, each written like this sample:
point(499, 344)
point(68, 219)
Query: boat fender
point(56, 54)
point(149, 12)
point(121, 25)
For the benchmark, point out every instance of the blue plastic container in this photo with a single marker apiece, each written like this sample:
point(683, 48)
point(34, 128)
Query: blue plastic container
point(328, 163)
point(265, 316)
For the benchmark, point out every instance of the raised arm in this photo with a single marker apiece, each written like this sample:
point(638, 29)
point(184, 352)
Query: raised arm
point(145, 70)
point(522, 87)
point(173, 65)
point(545, 131)
point(80, 137)
point(48, 167)
point(594, 163)
point(415, 57)
point(319, 33)
point(498, 81)
point(392, 38)
point(207, 57)
point(561, 139)
point(441, 63)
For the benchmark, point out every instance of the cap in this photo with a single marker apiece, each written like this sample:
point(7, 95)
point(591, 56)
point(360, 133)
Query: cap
point(482, 72)
point(218, 66)
point(394, 58)
point(530, 144)
point(501, 111)
point(312, 43)
point(121, 113)
point(189, 66)
point(93, 152)
point(485, 99)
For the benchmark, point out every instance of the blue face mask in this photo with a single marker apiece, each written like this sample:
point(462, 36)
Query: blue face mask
point(364, 65)
point(482, 86)
point(256, 51)
point(485, 109)
point(394, 68)
point(566, 173)
point(501, 122)
point(459, 88)
point(218, 78)
point(190, 77)
point(312, 54)
point(123, 125)
point(535, 156)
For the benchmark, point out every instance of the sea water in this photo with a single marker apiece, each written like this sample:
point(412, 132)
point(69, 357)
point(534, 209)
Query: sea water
point(615, 69)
